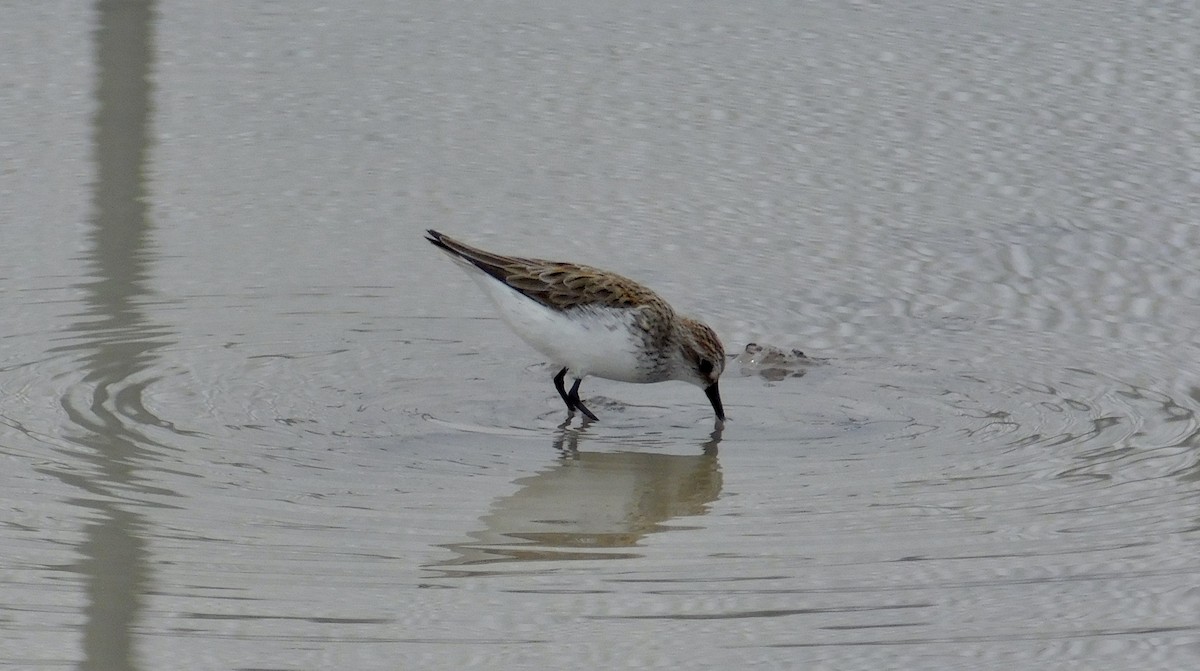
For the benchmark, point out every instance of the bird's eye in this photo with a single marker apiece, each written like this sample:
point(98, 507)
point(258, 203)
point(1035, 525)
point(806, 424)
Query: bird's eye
point(706, 367)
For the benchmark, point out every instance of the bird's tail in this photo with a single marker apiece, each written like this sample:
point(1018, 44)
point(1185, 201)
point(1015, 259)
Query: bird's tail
point(472, 257)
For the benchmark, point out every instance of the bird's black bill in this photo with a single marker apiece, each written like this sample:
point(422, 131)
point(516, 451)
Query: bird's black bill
point(714, 397)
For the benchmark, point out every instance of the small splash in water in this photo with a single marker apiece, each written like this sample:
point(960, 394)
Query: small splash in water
point(771, 362)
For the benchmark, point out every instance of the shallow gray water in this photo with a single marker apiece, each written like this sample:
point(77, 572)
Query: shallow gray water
point(249, 419)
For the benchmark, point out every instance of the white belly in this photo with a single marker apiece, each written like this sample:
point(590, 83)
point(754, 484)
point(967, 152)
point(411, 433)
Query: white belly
point(594, 342)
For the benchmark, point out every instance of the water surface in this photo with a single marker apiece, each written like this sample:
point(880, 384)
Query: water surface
point(251, 420)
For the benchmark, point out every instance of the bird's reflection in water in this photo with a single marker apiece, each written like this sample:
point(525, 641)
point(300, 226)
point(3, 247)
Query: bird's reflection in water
point(592, 505)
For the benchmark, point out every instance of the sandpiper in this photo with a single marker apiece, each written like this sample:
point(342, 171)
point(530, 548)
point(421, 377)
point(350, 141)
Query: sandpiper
point(593, 322)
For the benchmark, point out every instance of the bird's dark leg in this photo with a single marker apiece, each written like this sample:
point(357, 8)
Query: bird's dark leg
point(573, 398)
point(562, 391)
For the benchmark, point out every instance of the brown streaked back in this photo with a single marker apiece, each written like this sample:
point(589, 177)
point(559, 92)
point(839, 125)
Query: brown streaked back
point(555, 284)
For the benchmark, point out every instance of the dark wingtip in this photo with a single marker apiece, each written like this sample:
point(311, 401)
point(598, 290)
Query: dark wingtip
point(437, 239)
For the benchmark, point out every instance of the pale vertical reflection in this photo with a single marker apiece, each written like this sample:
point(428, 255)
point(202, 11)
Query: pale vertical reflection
point(116, 342)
